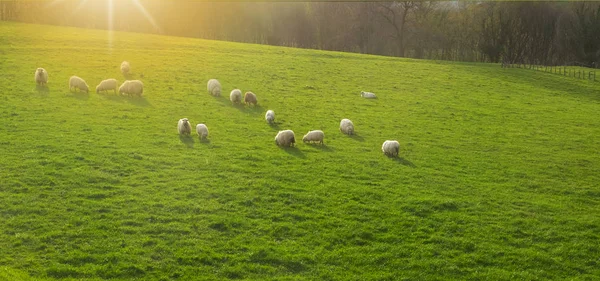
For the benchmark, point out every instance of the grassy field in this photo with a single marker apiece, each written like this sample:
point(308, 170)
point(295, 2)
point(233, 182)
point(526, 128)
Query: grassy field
point(498, 175)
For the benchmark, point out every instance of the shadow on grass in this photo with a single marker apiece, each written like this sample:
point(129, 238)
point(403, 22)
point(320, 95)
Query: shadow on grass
point(204, 141)
point(294, 151)
point(250, 109)
point(42, 89)
point(139, 101)
point(402, 161)
point(357, 137)
point(321, 147)
point(274, 125)
point(79, 95)
point(187, 140)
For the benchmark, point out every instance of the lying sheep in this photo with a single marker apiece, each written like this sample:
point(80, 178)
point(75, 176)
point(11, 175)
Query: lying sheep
point(184, 127)
point(270, 116)
point(235, 96)
point(106, 85)
point(347, 127)
point(314, 136)
point(125, 68)
point(390, 147)
point(132, 87)
point(214, 87)
point(368, 95)
point(250, 98)
point(78, 83)
point(41, 76)
point(202, 131)
point(285, 138)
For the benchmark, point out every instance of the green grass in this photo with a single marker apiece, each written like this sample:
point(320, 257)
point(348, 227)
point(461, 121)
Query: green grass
point(497, 179)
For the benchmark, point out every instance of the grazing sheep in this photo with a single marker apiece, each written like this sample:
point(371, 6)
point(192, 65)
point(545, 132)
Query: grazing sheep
point(235, 96)
point(41, 76)
point(202, 131)
point(125, 68)
point(285, 138)
point(106, 85)
point(250, 98)
point(347, 127)
point(270, 116)
point(132, 87)
point(78, 83)
point(368, 95)
point(314, 136)
point(390, 147)
point(184, 127)
point(214, 87)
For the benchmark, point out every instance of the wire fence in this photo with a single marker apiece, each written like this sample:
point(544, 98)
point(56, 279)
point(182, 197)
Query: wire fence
point(573, 69)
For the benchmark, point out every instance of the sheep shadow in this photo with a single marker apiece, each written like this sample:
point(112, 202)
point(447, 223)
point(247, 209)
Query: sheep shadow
point(294, 151)
point(79, 95)
point(42, 89)
point(204, 141)
point(401, 160)
point(321, 147)
point(139, 101)
point(357, 137)
point(274, 125)
point(188, 140)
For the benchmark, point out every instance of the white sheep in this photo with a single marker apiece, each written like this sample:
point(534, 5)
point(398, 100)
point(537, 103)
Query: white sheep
point(270, 116)
point(41, 76)
point(184, 127)
point(77, 83)
point(125, 68)
point(347, 127)
point(390, 147)
point(214, 87)
point(368, 95)
point(132, 87)
point(202, 131)
point(285, 138)
point(314, 136)
point(235, 96)
point(250, 98)
point(108, 84)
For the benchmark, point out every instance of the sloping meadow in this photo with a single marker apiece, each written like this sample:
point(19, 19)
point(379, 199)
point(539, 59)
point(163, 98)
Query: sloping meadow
point(497, 176)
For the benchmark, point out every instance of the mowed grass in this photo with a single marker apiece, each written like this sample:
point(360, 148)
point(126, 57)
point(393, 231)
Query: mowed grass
point(497, 177)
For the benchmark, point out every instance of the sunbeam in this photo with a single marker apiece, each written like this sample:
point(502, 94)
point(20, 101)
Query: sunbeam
point(146, 14)
point(110, 24)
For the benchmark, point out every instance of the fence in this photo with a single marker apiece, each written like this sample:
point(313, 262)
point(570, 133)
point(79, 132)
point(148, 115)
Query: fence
point(573, 69)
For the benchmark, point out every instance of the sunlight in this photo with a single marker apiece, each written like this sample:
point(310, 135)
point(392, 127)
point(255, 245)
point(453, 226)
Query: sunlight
point(110, 23)
point(146, 14)
point(54, 2)
point(81, 3)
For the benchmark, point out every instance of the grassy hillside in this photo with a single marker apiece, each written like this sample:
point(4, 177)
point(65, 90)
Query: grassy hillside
point(497, 179)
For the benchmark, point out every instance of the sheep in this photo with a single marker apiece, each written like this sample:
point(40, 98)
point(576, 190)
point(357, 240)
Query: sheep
point(214, 87)
point(368, 95)
point(184, 127)
point(285, 138)
point(314, 136)
point(270, 116)
point(235, 96)
point(132, 87)
point(250, 98)
point(106, 85)
point(78, 83)
point(202, 131)
point(390, 147)
point(347, 127)
point(125, 68)
point(41, 76)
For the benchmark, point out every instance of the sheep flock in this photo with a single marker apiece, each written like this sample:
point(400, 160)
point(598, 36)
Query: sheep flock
point(284, 138)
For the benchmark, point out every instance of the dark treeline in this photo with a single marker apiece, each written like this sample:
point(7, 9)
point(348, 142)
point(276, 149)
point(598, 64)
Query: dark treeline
point(517, 32)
